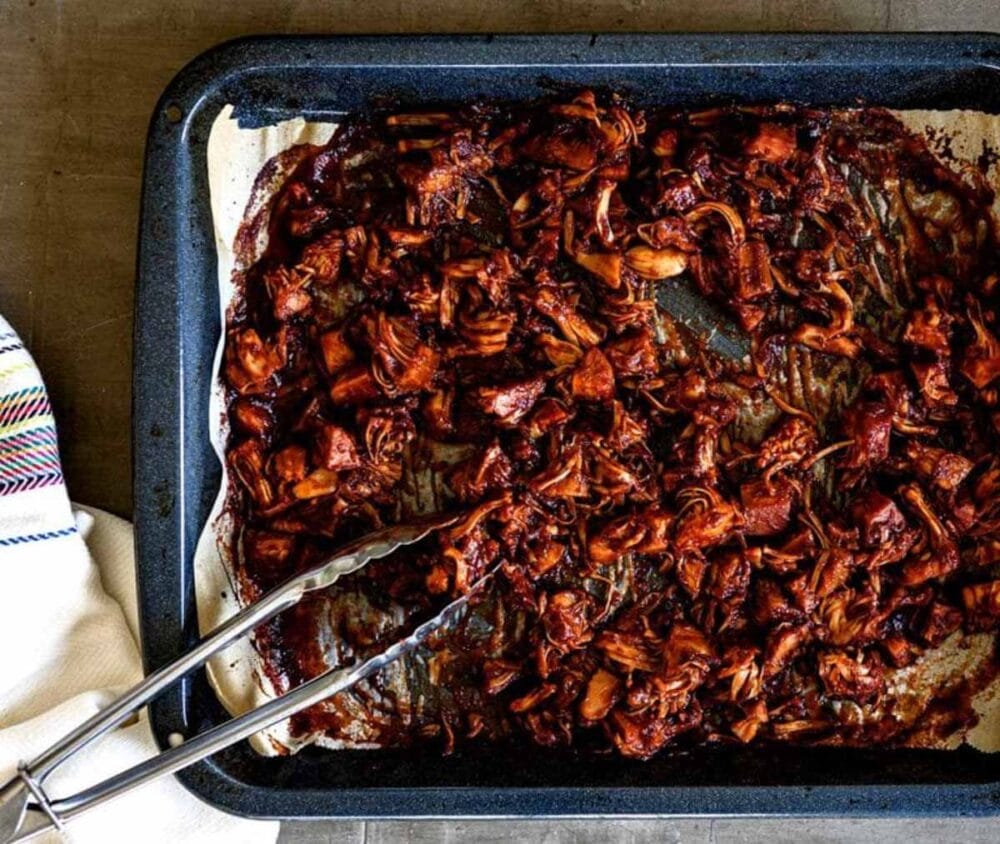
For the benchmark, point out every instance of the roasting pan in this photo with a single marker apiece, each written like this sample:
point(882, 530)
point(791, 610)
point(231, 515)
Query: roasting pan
point(177, 475)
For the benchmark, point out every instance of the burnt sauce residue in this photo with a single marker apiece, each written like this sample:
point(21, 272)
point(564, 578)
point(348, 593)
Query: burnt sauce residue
point(457, 310)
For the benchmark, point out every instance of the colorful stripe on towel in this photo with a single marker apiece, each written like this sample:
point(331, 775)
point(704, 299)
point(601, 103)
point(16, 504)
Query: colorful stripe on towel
point(29, 460)
point(18, 408)
point(37, 537)
point(29, 449)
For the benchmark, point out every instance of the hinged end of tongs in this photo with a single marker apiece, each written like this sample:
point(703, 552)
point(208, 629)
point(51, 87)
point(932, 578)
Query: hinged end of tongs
point(25, 808)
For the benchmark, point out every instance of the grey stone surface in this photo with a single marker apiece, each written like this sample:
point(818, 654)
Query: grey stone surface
point(727, 831)
point(543, 832)
point(968, 15)
point(833, 831)
point(340, 832)
point(664, 831)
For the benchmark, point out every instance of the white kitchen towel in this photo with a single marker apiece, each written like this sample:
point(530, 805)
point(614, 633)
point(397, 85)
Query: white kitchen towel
point(68, 633)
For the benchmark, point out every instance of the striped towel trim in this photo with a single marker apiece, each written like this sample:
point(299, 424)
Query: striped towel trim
point(29, 469)
point(16, 465)
point(37, 537)
point(29, 482)
point(44, 435)
point(38, 442)
point(23, 405)
point(26, 425)
point(29, 449)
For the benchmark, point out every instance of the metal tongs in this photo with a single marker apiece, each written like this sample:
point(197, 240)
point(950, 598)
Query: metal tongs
point(25, 807)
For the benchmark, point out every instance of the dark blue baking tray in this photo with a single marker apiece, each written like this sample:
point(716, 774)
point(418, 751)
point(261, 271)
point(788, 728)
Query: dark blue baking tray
point(176, 474)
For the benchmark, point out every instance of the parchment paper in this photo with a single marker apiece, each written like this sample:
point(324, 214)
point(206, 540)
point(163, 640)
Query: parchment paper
point(236, 157)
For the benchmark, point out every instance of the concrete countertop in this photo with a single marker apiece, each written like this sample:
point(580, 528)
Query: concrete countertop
point(78, 82)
